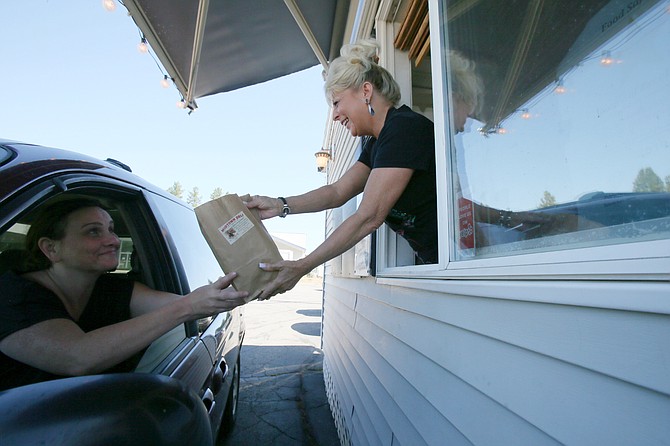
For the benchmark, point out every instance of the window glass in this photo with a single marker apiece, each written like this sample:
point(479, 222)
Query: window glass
point(14, 237)
point(5, 155)
point(559, 125)
point(199, 263)
point(125, 254)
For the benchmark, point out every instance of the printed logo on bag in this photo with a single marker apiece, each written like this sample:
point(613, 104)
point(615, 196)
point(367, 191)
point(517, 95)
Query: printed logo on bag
point(236, 227)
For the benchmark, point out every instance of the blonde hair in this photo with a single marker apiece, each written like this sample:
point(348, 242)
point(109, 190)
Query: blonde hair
point(465, 83)
point(356, 65)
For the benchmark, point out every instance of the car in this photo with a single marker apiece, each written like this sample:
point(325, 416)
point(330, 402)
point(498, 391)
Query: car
point(185, 387)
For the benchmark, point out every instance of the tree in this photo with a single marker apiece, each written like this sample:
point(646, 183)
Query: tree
point(648, 181)
point(547, 200)
point(176, 190)
point(194, 198)
point(667, 183)
point(216, 193)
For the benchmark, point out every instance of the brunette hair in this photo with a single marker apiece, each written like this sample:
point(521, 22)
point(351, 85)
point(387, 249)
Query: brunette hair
point(51, 222)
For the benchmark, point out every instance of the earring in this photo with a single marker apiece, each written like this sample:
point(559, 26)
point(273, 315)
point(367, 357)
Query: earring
point(370, 109)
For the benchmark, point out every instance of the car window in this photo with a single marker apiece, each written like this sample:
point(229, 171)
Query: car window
point(13, 244)
point(141, 257)
point(197, 260)
point(5, 155)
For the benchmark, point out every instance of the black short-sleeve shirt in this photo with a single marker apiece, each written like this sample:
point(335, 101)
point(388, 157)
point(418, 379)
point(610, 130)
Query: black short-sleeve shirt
point(24, 303)
point(407, 140)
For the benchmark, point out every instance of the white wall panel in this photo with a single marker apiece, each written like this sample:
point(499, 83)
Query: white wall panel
point(365, 421)
point(431, 366)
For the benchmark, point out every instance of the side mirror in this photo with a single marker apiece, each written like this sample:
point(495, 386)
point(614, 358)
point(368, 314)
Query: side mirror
point(118, 409)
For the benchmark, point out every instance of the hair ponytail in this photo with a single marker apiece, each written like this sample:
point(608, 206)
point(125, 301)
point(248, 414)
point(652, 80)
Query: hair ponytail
point(357, 64)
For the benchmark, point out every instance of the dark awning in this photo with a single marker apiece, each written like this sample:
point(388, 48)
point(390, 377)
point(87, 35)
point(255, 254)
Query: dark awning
point(213, 46)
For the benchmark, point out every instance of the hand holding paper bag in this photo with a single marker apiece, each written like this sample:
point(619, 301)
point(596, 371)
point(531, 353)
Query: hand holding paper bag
point(239, 242)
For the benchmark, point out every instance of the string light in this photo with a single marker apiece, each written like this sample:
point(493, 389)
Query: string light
point(142, 47)
point(165, 83)
point(109, 5)
point(495, 130)
point(525, 114)
point(560, 89)
point(606, 59)
point(181, 104)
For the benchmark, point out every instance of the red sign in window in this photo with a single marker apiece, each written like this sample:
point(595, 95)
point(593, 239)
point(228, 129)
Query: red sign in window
point(466, 223)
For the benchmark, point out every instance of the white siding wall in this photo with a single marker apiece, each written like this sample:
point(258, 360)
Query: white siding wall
point(453, 365)
point(489, 362)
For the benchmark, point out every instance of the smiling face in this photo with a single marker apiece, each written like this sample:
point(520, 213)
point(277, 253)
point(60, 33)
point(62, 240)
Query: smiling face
point(350, 110)
point(89, 242)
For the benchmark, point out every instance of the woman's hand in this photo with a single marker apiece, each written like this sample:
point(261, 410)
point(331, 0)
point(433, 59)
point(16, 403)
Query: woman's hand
point(267, 207)
point(216, 297)
point(59, 346)
point(290, 272)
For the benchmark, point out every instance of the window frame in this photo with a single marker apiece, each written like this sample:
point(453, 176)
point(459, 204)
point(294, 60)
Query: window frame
point(143, 223)
point(643, 260)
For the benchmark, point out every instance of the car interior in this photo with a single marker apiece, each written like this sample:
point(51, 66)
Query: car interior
point(12, 242)
point(13, 255)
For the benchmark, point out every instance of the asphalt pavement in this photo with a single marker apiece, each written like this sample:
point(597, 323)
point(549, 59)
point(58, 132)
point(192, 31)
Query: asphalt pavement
point(282, 393)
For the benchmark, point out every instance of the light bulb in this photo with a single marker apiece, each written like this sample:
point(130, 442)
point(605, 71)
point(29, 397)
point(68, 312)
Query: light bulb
point(142, 47)
point(560, 89)
point(501, 130)
point(181, 104)
point(109, 5)
point(606, 59)
point(165, 83)
point(525, 114)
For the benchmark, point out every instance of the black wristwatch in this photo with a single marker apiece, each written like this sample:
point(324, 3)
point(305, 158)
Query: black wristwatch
point(284, 210)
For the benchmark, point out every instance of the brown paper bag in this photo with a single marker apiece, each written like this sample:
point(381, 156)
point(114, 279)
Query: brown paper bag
point(239, 241)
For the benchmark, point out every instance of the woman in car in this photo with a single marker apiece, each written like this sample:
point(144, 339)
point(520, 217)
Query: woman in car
point(69, 316)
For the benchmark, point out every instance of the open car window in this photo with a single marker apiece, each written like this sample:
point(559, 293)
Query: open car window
point(141, 257)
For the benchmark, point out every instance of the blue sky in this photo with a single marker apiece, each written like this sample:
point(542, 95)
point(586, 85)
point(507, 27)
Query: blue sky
point(73, 79)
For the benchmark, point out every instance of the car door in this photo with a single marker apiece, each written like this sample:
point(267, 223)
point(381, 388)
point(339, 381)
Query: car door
point(221, 335)
point(180, 353)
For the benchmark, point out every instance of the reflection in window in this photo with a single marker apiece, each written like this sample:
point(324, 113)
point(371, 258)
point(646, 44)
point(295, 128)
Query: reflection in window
point(567, 145)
